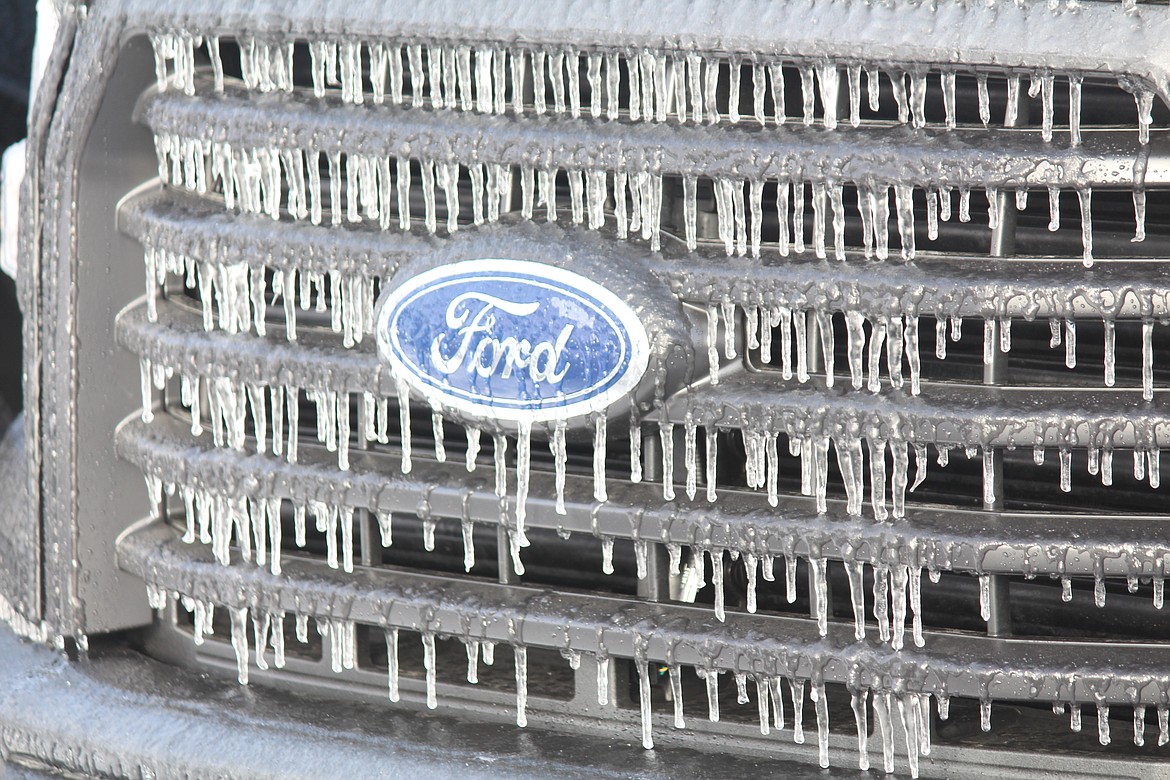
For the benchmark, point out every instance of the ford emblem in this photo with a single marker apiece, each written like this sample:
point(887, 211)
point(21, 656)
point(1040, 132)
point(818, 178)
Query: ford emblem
point(511, 340)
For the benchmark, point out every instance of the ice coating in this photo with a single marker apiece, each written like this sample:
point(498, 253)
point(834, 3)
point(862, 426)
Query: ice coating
point(232, 294)
point(569, 108)
point(489, 79)
point(250, 166)
point(874, 677)
point(235, 379)
point(739, 530)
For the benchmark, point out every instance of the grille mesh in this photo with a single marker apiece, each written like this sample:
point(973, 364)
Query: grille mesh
point(283, 238)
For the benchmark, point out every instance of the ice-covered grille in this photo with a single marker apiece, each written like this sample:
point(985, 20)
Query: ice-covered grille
point(293, 186)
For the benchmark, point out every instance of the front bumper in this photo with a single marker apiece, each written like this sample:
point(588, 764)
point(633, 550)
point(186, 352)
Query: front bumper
point(120, 714)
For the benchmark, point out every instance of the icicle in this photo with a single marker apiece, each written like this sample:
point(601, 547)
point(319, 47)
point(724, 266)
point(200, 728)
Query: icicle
point(599, 439)
point(911, 731)
point(607, 555)
point(820, 606)
point(1103, 723)
point(984, 99)
point(523, 466)
point(690, 211)
point(829, 80)
point(603, 680)
point(797, 689)
point(521, 661)
point(898, 84)
point(817, 691)
point(147, 386)
point(1070, 343)
point(717, 583)
point(790, 579)
point(1145, 104)
point(899, 575)
point(734, 71)
point(644, 702)
point(1111, 352)
point(882, 705)
point(729, 324)
point(854, 74)
point(916, 605)
point(473, 444)
point(762, 703)
point(428, 642)
point(239, 617)
point(756, 197)
point(859, 701)
point(1139, 211)
point(1086, 198)
point(404, 422)
point(948, 85)
point(807, 92)
point(856, 572)
point(712, 678)
point(1046, 106)
point(873, 89)
point(985, 597)
point(877, 478)
point(391, 659)
point(988, 475)
point(472, 647)
point(776, 694)
point(1074, 109)
point(557, 445)
point(918, 99)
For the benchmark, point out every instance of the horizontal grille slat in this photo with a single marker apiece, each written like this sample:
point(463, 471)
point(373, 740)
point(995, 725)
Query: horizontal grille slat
point(771, 646)
point(1004, 159)
point(934, 538)
point(1025, 36)
point(933, 285)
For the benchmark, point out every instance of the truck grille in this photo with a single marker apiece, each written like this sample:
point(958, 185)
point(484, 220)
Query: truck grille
point(926, 295)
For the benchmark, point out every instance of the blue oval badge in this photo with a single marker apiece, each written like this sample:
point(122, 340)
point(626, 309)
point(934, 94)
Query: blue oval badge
point(512, 340)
